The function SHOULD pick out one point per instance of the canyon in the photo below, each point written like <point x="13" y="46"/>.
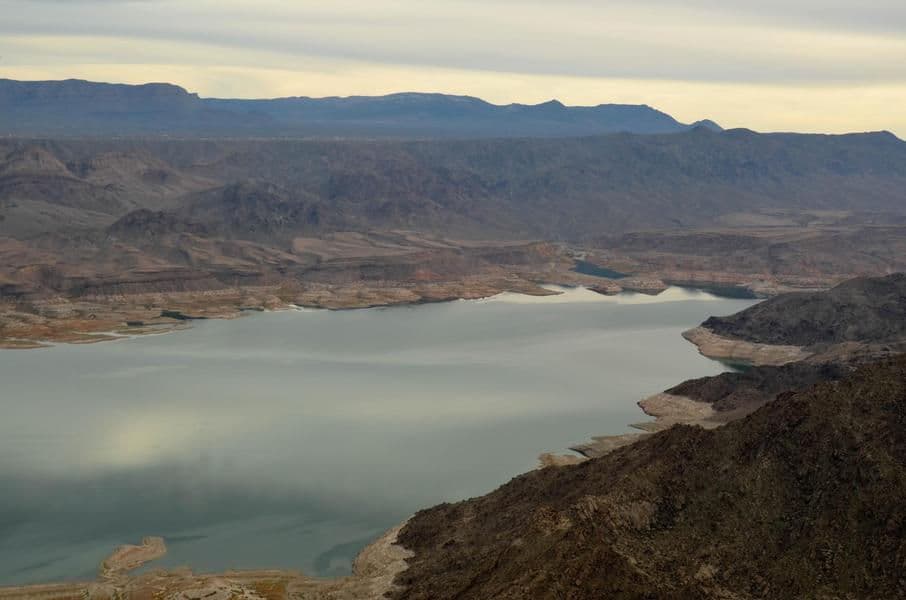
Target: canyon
<point x="133" y="211"/>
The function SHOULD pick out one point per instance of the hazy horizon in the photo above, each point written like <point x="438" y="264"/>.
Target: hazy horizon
<point x="810" y="66"/>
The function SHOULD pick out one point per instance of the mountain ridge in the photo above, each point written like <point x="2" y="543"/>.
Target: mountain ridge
<point x="74" y="107"/>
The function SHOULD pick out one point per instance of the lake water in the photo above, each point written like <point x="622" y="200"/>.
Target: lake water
<point x="292" y="439"/>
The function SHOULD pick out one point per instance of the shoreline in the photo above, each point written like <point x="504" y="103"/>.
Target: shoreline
<point x="94" y="319"/>
<point x="717" y="347"/>
<point x="373" y="572"/>
<point x="666" y="409"/>
<point x="91" y="321"/>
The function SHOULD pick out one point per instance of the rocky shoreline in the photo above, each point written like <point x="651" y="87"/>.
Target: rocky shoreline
<point x="98" y="318"/>
<point x="666" y="409"/>
<point x="68" y="302"/>
<point x="373" y="574"/>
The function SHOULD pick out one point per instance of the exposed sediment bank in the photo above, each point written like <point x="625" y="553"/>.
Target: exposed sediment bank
<point x="97" y="319"/>
<point x="128" y="557"/>
<point x="720" y="348"/>
<point x="93" y="319"/>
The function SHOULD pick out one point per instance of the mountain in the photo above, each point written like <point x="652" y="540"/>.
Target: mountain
<point x="558" y="189"/>
<point x="859" y="310"/>
<point x="109" y="217"/>
<point x="805" y="498"/>
<point x="82" y="108"/>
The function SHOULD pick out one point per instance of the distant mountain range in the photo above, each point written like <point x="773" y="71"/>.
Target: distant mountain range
<point x="81" y="108"/>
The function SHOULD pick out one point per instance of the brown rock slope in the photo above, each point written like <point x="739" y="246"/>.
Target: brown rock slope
<point x="858" y="319"/>
<point x="855" y="311"/>
<point x="736" y="394"/>
<point x="805" y="498"/>
<point x="558" y="189"/>
<point x="765" y="252"/>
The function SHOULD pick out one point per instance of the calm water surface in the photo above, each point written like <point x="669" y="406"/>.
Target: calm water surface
<point x="292" y="439"/>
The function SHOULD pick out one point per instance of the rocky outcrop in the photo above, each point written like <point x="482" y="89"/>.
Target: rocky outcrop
<point x="858" y="318"/>
<point x="858" y="310"/>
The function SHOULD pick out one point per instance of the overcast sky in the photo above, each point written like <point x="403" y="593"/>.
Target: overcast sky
<point x="803" y="65"/>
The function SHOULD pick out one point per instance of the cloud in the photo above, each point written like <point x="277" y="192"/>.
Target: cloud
<point x="660" y="40"/>
<point x="572" y="49"/>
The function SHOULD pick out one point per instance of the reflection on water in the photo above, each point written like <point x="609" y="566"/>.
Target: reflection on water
<point x="290" y="439"/>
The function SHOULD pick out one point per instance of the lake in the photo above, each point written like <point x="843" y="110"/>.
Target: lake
<point x="292" y="439"/>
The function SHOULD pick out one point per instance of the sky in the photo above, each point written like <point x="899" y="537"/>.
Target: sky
<point x="770" y="65"/>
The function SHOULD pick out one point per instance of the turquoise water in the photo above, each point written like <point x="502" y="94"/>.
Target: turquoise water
<point x="292" y="439"/>
<point x="586" y="268"/>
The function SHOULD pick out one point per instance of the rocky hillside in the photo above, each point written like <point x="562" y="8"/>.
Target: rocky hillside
<point x="734" y="394"/>
<point x="573" y="189"/>
<point x="805" y="498"/>
<point x="805" y="249"/>
<point x="860" y="310"/>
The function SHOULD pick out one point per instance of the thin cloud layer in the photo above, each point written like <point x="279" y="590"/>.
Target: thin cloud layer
<point x="667" y="53"/>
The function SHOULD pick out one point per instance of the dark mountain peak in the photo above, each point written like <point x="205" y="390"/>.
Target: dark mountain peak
<point x="553" y="104"/>
<point x="701" y="130"/>
<point x="739" y="132"/>
<point x="706" y="124"/>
